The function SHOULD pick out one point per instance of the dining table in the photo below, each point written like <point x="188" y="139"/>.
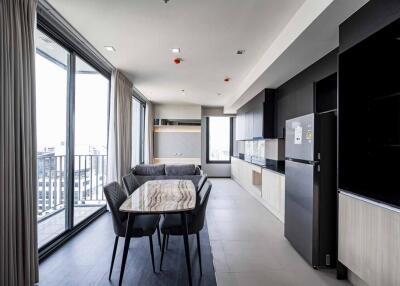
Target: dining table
<point x="160" y="197"/>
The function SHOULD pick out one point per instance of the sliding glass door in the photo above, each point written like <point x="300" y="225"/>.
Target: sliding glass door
<point x="51" y="114"/>
<point x="72" y="99"/>
<point x="91" y="117"/>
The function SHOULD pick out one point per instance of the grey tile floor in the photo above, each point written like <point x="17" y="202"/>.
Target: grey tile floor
<point x="248" y="244"/>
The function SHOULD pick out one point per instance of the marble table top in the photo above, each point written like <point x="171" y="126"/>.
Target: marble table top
<point x="161" y="196"/>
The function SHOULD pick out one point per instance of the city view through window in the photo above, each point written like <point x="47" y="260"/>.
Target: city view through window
<point x="90" y="110"/>
<point x="219" y="138"/>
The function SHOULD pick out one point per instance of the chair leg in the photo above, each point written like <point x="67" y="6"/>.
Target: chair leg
<point x="129" y="226"/>
<point x="152" y="252"/>
<point x="187" y="247"/>
<point x="159" y="236"/>
<point x="113" y="256"/>
<point x="199" y="252"/>
<point x="162" y="251"/>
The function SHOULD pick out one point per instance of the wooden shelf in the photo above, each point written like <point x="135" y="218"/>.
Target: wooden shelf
<point x="196" y="161"/>
<point x="177" y="129"/>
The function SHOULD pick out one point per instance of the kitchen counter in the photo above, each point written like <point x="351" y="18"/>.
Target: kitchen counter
<point x="264" y="182"/>
<point x="273" y="165"/>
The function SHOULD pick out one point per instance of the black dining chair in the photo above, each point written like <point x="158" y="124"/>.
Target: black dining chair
<point x="172" y="224"/>
<point x="144" y="225"/>
<point x="201" y="182"/>
<point x="130" y="183"/>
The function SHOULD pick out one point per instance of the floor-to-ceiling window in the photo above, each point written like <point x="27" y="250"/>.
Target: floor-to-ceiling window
<point x="138" y="113"/>
<point x="72" y="107"/>
<point x="219" y="139"/>
<point x="90" y="150"/>
<point x="51" y="113"/>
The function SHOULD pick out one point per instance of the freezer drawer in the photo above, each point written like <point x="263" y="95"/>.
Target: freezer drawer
<point x="299" y="198"/>
<point x="299" y="143"/>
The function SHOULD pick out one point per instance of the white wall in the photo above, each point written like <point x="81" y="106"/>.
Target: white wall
<point x="177" y="111"/>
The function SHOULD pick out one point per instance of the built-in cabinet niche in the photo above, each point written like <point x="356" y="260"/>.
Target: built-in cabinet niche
<point x="325" y="94"/>
<point x="369" y="116"/>
<point x="255" y="120"/>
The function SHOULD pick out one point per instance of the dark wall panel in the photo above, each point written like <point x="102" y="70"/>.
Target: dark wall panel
<point x="369" y="104"/>
<point x="296" y="96"/>
<point x="372" y="17"/>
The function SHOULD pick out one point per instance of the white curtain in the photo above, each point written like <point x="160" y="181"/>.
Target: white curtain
<point x="18" y="227"/>
<point x="148" y="136"/>
<point x="120" y="128"/>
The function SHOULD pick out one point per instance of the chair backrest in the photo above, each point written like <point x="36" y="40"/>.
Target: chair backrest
<point x="130" y="183"/>
<point x="201" y="182"/>
<point x="115" y="197"/>
<point x="199" y="213"/>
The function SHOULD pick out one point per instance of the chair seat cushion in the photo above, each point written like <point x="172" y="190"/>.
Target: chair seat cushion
<point x="172" y="224"/>
<point x="144" y="225"/>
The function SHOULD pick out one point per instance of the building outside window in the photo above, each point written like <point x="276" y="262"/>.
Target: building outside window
<point x="219" y="139"/>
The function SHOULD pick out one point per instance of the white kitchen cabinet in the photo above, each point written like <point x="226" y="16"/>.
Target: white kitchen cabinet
<point x="267" y="186"/>
<point x="249" y="176"/>
<point x="235" y="168"/>
<point x="273" y="192"/>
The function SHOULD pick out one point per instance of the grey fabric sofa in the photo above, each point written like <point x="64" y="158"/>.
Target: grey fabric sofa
<point x="144" y="173"/>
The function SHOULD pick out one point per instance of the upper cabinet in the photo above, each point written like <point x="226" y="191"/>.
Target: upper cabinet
<point x="255" y="120"/>
<point x="248" y="119"/>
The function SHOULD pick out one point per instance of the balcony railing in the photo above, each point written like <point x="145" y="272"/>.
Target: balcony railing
<point x="89" y="175"/>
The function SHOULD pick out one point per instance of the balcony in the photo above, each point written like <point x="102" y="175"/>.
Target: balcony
<point x="89" y="175"/>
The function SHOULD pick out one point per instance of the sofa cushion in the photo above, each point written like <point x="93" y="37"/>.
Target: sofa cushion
<point x="150" y="170"/>
<point x="180" y="170"/>
<point x="143" y="179"/>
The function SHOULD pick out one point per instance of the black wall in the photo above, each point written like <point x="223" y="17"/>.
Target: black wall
<point x="296" y="96"/>
<point x="372" y="17"/>
<point x="369" y="102"/>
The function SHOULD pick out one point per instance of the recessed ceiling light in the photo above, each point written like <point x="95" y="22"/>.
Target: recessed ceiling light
<point x="176" y="50"/>
<point x="240" y="52"/>
<point x="109" y="48"/>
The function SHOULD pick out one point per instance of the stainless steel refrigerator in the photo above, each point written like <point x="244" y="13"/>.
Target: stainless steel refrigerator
<point x="310" y="187"/>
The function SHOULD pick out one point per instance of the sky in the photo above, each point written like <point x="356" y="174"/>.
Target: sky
<point x="91" y="108"/>
<point x="219" y="141"/>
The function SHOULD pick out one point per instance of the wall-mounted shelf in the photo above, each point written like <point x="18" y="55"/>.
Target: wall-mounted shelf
<point x="177" y="128"/>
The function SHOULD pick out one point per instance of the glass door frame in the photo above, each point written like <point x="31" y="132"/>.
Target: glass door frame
<point x="142" y="127"/>
<point x="56" y="35"/>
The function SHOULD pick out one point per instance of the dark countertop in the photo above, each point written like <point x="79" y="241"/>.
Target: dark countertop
<point x="273" y="165"/>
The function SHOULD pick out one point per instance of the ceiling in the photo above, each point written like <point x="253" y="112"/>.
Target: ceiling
<point x="280" y="38"/>
<point x="312" y="33"/>
<point x="208" y="32"/>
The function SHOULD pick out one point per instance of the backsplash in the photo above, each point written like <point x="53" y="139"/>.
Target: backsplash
<point x="255" y="148"/>
<point x="273" y="149"/>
